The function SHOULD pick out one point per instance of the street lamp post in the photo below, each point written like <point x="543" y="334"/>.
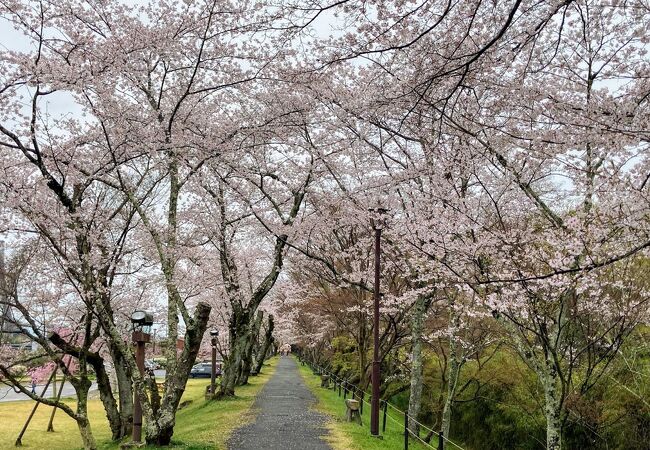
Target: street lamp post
<point x="378" y="222"/>
<point x="141" y="321"/>
<point x="215" y="334"/>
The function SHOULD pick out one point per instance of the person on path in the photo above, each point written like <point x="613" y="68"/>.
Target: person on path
<point x="33" y="386"/>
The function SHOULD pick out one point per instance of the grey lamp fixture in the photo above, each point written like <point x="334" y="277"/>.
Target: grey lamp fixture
<point x="142" y="321"/>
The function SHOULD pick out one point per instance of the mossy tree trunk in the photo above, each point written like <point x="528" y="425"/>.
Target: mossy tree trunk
<point x="87" y="438"/>
<point x="417" y="375"/>
<point x="268" y="339"/>
<point x="125" y="392"/>
<point x="247" y="360"/>
<point x="238" y="331"/>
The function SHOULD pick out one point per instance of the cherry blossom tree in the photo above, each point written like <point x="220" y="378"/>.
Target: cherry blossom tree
<point x="516" y="146"/>
<point x="257" y="195"/>
<point x="205" y="144"/>
<point x="39" y="312"/>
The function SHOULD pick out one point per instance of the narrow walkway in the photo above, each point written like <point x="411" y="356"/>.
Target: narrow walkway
<point x="285" y="420"/>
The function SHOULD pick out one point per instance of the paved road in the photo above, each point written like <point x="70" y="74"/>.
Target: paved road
<point x="7" y="394"/>
<point x="285" y="420"/>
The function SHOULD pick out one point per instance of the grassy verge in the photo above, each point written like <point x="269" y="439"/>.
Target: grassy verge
<point x="199" y="425"/>
<point x="350" y="436"/>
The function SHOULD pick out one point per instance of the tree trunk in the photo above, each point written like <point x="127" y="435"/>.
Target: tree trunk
<point x="268" y="339"/>
<point x="247" y="360"/>
<point x="163" y="435"/>
<point x="454" y="365"/>
<point x="257" y="345"/>
<point x="110" y="405"/>
<point x="549" y="372"/>
<point x="454" y="372"/>
<point x="165" y="418"/>
<point x="119" y="425"/>
<point x="159" y="432"/>
<point x="154" y="395"/>
<point x="545" y="367"/>
<point x="415" y="397"/>
<point x="122" y="425"/>
<point x="238" y="339"/>
<point x="125" y="393"/>
<point x="362" y="349"/>
<point x="86" y="434"/>
<point x="82" y="387"/>
<point x="552" y="408"/>
<point x="363" y="362"/>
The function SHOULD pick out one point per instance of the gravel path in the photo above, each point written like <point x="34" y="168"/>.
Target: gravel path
<point x="285" y="420"/>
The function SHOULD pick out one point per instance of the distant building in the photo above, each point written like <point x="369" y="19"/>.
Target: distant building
<point x="11" y="334"/>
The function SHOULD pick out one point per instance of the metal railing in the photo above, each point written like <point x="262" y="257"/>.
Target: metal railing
<point x="344" y="387"/>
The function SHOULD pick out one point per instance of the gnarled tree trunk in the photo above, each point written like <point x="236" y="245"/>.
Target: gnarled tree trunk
<point x="247" y="360"/>
<point x="160" y="424"/>
<point x="238" y="329"/>
<point x="106" y="396"/>
<point x="81" y="382"/>
<point x="82" y="386"/>
<point x="118" y="428"/>
<point x="125" y="392"/>
<point x="268" y="339"/>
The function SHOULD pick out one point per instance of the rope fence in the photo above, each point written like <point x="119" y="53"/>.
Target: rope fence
<point x="344" y="387"/>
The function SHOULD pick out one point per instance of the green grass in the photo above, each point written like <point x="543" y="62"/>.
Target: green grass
<point x="199" y="425"/>
<point x="345" y="435"/>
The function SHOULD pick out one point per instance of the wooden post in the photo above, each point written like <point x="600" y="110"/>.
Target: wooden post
<point x="19" y="441"/>
<point x="139" y="339"/>
<point x="213" y="367"/>
<point x="50" y="425"/>
<point x="406" y="429"/>
<point x="383" y="427"/>
<point x="376" y="365"/>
